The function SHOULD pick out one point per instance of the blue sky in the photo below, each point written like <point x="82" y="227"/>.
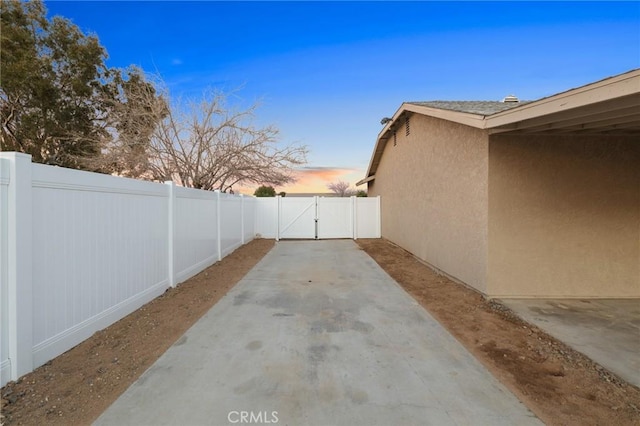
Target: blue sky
<point x="327" y="72"/>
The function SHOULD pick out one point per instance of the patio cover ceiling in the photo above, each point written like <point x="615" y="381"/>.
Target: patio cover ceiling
<point x="607" y="106"/>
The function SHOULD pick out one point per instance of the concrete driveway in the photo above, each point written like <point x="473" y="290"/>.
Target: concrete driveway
<point x="317" y="334"/>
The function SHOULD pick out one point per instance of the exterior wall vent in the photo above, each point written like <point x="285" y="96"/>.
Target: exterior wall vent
<point x="510" y="99"/>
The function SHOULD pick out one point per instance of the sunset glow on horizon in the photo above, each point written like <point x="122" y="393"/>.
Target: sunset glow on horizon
<point x="314" y="180"/>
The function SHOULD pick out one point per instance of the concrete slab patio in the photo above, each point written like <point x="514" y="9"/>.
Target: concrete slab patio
<point x="317" y="334"/>
<point x="605" y="330"/>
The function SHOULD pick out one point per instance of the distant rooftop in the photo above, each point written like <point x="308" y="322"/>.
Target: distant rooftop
<point x="473" y="107"/>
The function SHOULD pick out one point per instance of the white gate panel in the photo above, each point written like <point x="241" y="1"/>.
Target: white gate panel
<point x="367" y="217"/>
<point x="335" y="218"/>
<point x="266" y="221"/>
<point x="297" y="217"/>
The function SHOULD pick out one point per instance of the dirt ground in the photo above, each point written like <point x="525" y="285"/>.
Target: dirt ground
<point x="559" y="385"/>
<point x="76" y="387"/>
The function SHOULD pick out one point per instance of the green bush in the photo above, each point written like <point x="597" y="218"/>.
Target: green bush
<point x="265" y="191"/>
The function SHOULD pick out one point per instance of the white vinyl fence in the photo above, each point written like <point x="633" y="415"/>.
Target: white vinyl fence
<point x="81" y="250"/>
<point x="318" y="217"/>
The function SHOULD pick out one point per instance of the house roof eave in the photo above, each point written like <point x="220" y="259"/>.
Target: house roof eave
<point x="599" y="101"/>
<point x="469" y="119"/>
<point x="365" y="180"/>
<point x="605" y="106"/>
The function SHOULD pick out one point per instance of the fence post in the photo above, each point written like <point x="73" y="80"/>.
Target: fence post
<point x="242" y="219"/>
<point x="379" y="221"/>
<point x="219" y="221"/>
<point x="19" y="268"/>
<point x="171" y="231"/>
<point x="315" y="215"/>
<point x="354" y="217"/>
<point x="278" y="207"/>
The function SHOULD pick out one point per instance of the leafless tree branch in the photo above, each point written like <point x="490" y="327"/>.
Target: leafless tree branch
<point x="341" y="189"/>
<point x="209" y="145"/>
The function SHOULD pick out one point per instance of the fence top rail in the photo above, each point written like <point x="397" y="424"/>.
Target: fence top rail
<point x="194" y="194"/>
<point x="238" y="196"/>
<point x="45" y="176"/>
<point x="184" y="192"/>
<point x="4" y="171"/>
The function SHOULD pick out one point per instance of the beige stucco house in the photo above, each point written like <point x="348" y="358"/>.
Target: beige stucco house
<point x="515" y="199"/>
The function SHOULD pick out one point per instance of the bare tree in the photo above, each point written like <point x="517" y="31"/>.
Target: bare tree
<point x="136" y="108"/>
<point x="341" y="189"/>
<point x="209" y="145"/>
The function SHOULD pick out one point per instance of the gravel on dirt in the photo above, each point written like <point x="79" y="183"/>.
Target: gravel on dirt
<point x="560" y="385"/>
<point x="77" y="386"/>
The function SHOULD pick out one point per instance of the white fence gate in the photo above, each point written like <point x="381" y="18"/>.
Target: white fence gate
<point x="318" y="217"/>
<point x="335" y="217"/>
<point x="297" y="217"/>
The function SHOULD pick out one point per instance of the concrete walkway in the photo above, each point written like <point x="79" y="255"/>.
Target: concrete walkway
<point x="605" y="330"/>
<point x="317" y="334"/>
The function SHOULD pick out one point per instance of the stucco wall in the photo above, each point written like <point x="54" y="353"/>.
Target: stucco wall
<point x="433" y="187"/>
<point x="564" y="216"/>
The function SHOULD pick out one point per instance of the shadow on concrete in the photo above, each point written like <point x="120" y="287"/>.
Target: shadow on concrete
<point x="605" y="330"/>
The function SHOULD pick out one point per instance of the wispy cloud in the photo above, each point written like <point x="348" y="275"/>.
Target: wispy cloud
<point x="316" y="179"/>
<point x="176" y="61"/>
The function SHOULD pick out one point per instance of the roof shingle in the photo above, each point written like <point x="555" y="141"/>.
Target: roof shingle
<point x="473" y="107"/>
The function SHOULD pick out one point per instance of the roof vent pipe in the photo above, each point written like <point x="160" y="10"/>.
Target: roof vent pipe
<point x="510" y="99"/>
